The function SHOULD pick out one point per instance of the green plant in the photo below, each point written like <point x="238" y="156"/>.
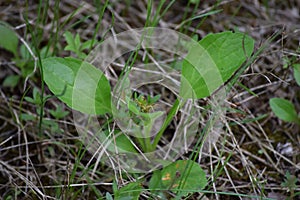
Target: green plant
<point x="59" y="112"/>
<point x="36" y="100"/>
<point x="130" y="191"/>
<point x="91" y="94"/>
<point x="145" y="104"/>
<point x="23" y="56"/>
<point x="225" y="51"/>
<point x="282" y="108"/>
<point x="290" y="183"/>
<point x="75" y="45"/>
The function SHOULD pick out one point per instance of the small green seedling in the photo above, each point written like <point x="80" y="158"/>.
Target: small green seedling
<point x="283" y="108"/>
<point x="144" y="104"/>
<point x="35" y="99"/>
<point x="46" y="123"/>
<point x="75" y="45"/>
<point x="290" y="183"/>
<point x="59" y="112"/>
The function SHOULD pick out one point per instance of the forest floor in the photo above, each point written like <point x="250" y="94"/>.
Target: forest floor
<point x="256" y="155"/>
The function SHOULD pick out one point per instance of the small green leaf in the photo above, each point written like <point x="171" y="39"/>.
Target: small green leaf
<point x="9" y="39"/>
<point x="27" y="117"/>
<point x="36" y="97"/>
<point x="52" y="125"/>
<point x="290" y="181"/>
<point x="183" y="175"/>
<point x="212" y="61"/>
<point x="133" y="107"/>
<point x="77" y="42"/>
<point x="124" y="145"/>
<point x="78" y="84"/>
<point x="86" y="44"/>
<point x="25" y="62"/>
<point x="11" y="81"/>
<point x="81" y="55"/>
<point x="155" y="181"/>
<point x="297" y="73"/>
<point x="286" y="62"/>
<point x="29" y="99"/>
<point x="130" y="191"/>
<point x="194" y="1"/>
<point x="45" y="52"/>
<point x="71" y="45"/>
<point x="154" y="99"/>
<point x="59" y="113"/>
<point x="284" y="109"/>
<point x="108" y="196"/>
<point x="24" y="52"/>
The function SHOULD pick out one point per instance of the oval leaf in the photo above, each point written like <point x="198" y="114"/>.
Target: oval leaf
<point x="182" y="175"/>
<point x="297" y="73"/>
<point x="9" y="39"/>
<point x="212" y="61"/>
<point x="284" y="109"/>
<point x="78" y="84"/>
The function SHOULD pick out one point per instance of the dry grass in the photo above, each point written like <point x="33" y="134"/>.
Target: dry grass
<point x="54" y="164"/>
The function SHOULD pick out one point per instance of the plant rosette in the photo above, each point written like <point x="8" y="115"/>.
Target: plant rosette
<point x="132" y="142"/>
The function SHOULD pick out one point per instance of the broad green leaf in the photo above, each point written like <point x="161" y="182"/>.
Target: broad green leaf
<point x="284" y="110"/>
<point x="297" y="73"/>
<point x="123" y="143"/>
<point x="183" y="175"/>
<point x="9" y="39"/>
<point x="155" y="181"/>
<point x="78" y="84"/>
<point x="212" y="61"/>
<point x="155" y="184"/>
